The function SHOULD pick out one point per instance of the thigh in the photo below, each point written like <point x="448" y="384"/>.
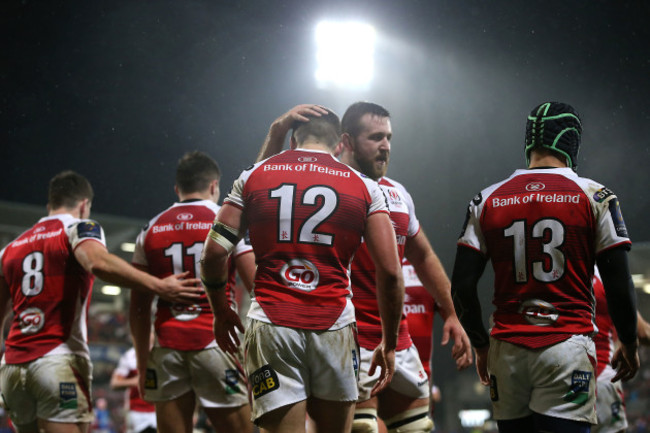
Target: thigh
<point x="62" y="387"/>
<point x="510" y="387"/>
<point x="230" y="419"/>
<point x="331" y="416"/>
<point x="18" y="401"/>
<point x="168" y="375"/>
<point x="564" y="383"/>
<point x="333" y="360"/>
<point x="275" y="365"/>
<point x="218" y="378"/>
<point x="176" y="415"/>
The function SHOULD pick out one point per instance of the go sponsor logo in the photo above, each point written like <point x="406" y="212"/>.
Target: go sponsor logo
<point x="185" y="313"/>
<point x="31" y="320"/>
<point x="300" y="274"/>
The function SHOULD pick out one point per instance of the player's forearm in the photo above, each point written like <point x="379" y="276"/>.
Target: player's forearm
<point x="619" y="290"/>
<point x="274" y="141"/>
<point x="643" y="330"/>
<point x="431" y="273"/>
<point x="115" y="270"/>
<point x="120" y="382"/>
<point x="390" y="300"/>
<point x="140" y="325"/>
<point x="437" y="284"/>
<point x="468" y="268"/>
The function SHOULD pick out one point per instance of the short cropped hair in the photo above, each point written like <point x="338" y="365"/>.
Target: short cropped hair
<point x="195" y="171"/>
<point x="67" y="189"/>
<point x="326" y="128"/>
<point x="351" y="122"/>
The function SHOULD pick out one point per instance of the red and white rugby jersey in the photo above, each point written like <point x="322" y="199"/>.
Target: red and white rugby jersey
<point x="306" y="213"/>
<point x="604" y="340"/>
<point x="419" y="309"/>
<point x="127" y="367"/>
<point x="406" y="225"/>
<point x="542" y="230"/>
<point x="172" y="243"/>
<point x="50" y="290"/>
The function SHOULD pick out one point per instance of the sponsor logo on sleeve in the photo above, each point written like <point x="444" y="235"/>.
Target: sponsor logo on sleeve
<point x="89" y="229"/>
<point x="579" y="390"/>
<point x="602" y="194"/>
<point x="617" y="218"/>
<point x="67" y="395"/>
<point x="263" y="381"/>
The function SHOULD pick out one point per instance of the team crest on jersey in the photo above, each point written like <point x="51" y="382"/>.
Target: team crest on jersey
<point x="89" y="229"/>
<point x="307" y="159"/>
<point x="185" y="216"/>
<point x="39" y="229"/>
<point x="263" y="381"/>
<point x="31" y="320"/>
<point x="535" y="186"/>
<point x="300" y="274"/>
<point x="67" y="395"/>
<point x="579" y="390"/>
<point x="184" y="312"/>
<point x="394" y="196"/>
<point x="538" y="312"/>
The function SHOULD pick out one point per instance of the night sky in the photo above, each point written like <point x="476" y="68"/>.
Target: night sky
<point x="119" y="90"/>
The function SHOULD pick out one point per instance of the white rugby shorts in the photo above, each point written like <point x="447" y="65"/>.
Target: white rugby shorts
<point x="54" y="388"/>
<point x="137" y="421"/>
<point x="287" y="365"/>
<point x="609" y="404"/>
<point x="409" y="379"/>
<point x="217" y="378"/>
<point x="557" y="381"/>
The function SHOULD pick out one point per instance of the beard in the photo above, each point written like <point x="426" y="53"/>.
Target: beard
<point x="372" y="167"/>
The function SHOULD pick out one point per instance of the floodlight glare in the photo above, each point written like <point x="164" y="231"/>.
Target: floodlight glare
<point x="473" y="417"/>
<point x="128" y="247"/>
<point x="111" y="290"/>
<point x="345" y="54"/>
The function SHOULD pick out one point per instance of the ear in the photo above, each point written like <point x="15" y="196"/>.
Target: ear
<point x="176" y="190"/>
<point x="346" y="144"/>
<point x="215" y="192"/>
<point x="84" y="208"/>
<point x="214" y="186"/>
